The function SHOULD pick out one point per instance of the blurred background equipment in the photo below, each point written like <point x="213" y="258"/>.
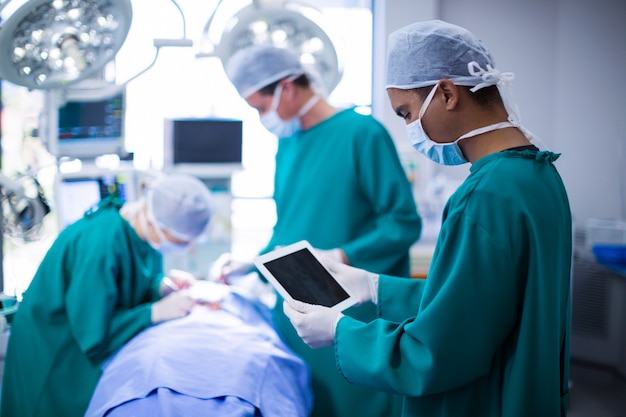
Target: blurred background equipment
<point x="285" y="24"/>
<point x="23" y="207"/>
<point x="50" y="43"/>
<point x="77" y="192"/>
<point x="203" y="146"/>
<point x="84" y="124"/>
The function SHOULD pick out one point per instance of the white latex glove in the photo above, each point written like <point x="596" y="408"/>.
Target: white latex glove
<point x="226" y="269"/>
<point x="361" y="283"/>
<point x="176" y="280"/>
<point x="334" y="254"/>
<point x="315" y="324"/>
<point x="173" y="306"/>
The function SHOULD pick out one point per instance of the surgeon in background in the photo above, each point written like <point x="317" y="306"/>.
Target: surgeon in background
<point x="487" y="333"/>
<point x="100" y="284"/>
<point x="340" y="185"/>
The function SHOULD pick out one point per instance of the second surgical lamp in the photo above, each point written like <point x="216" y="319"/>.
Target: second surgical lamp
<point x="282" y="23"/>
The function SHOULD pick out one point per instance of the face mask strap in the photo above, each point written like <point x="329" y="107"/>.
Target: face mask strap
<point x="309" y="105"/>
<point x="504" y="82"/>
<point x="157" y="230"/>
<point x="279" y="89"/>
<point x="426" y="103"/>
<point x="276" y="98"/>
<point x="143" y="223"/>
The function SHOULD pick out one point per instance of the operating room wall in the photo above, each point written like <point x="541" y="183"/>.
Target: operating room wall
<point x="568" y="58"/>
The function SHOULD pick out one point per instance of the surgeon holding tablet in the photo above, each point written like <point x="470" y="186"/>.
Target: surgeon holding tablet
<point x="487" y="333"/>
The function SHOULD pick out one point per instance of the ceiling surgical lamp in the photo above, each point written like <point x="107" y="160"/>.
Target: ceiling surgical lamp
<point x="47" y="44"/>
<point x="285" y="24"/>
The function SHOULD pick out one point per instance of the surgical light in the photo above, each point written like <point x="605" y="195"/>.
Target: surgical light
<point x="47" y="44"/>
<point x="284" y="24"/>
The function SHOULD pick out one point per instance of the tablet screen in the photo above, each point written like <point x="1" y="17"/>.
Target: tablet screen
<point x="305" y="279"/>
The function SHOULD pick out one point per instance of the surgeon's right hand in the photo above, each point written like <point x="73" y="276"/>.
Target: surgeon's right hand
<point x="173" y="306"/>
<point x="361" y="283"/>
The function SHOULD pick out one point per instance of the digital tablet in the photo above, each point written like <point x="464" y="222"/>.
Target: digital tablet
<point x="297" y="274"/>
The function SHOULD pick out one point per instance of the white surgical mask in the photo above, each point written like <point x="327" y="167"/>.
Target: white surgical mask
<point x="285" y="128"/>
<point x="165" y="246"/>
<point x="443" y="153"/>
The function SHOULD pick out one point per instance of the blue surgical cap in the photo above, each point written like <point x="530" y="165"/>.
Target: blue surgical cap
<point x="423" y="53"/>
<point x="252" y="68"/>
<point x="181" y="204"/>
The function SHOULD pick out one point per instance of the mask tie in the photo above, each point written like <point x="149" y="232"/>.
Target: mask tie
<point x="504" y="82"/>
<point x="309" y="105"/>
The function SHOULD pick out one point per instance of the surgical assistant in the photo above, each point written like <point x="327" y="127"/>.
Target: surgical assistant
<point x="487" y="332"/>
<point x="356" y="194"/>
<point x="97" y="287"/>
<point x="338" y="184"/>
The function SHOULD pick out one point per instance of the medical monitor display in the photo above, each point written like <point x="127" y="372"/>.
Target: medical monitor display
<point x="76" y="195"/>
<point x="88" y="127"/>
<point x="203" y="141"/>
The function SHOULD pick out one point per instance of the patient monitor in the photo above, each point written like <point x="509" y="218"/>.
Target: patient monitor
<point x="84" y="124"/>
<point x="77" y="192"/>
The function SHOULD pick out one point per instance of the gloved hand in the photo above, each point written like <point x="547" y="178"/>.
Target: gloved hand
<point x="334" y="254"/>
<point x="173" y="306"/>
<point x="315" y="324"/>
<point x="176" y="280"/>
<point x="361" y="283"/>
<point x="226" y="269"/>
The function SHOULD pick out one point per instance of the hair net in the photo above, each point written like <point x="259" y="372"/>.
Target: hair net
<point x="181" y="204"/>
<point x="422" y="53"/>
<point x="252" y="68"/>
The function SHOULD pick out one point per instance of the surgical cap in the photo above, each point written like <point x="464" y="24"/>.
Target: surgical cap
<point x="252" y="68"/>
<point x="181" y="204"/>
<point x="423" y="53"/>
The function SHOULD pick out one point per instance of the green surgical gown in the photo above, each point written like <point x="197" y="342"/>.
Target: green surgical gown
<point x="340" y="184"/>
<point x="487" y="333"/>
<point x="91" y="294"/>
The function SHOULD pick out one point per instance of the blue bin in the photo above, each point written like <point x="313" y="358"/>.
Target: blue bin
<point x="611" y="256"/>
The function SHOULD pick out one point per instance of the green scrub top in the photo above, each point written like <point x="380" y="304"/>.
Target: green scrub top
<point x="487" y="333"/>
<point x="340" y="184"/>
<point x="91" y="294"/>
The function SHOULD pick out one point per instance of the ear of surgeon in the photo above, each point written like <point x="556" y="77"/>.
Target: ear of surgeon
<point x="278" y="111"/>
<point x="281" y="100"/>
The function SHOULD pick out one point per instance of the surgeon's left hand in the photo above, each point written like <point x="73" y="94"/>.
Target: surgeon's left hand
<point x="315" y="324"/>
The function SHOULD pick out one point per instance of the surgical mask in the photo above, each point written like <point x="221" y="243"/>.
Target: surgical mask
<point x="164" y="246"/>
<point x="285" y="128"/>
<point x="443" y="153"/>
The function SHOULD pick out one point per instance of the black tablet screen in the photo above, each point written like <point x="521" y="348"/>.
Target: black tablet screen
<point x="302" y="276"/>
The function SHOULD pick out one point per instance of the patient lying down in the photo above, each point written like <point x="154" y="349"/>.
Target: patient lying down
<point x="225" y="358"/>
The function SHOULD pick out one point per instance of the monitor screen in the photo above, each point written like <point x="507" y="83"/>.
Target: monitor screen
<point x="75" y="195"/>
<point x="203" y="141"/>
<point x="87" y="127"/>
